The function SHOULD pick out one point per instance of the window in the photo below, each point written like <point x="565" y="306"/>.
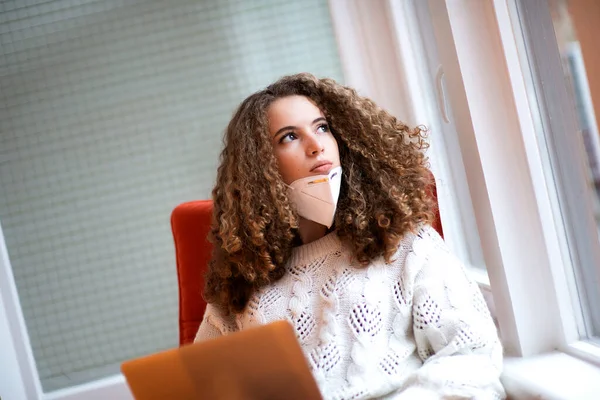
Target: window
<point x="447" y="158"/>
<point x="408" y="81"/>
<point x="556" y="66"/>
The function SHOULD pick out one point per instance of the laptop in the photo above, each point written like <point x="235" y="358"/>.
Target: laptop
<point x="258" y="363"/>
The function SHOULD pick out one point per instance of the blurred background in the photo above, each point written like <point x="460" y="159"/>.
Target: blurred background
<point x="111" y="114"/>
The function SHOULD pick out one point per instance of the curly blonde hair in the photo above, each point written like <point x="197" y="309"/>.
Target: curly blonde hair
<point x="383" y="192"/>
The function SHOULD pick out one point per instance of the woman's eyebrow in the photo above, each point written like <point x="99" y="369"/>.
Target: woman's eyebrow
<point x="285" y="128"/>
<point x="291" y="128"/>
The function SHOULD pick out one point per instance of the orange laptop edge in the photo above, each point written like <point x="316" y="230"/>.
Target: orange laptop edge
<point x="265" y="362"/>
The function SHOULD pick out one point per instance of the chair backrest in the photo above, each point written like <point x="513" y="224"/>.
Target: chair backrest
<point x="191" y="223"/>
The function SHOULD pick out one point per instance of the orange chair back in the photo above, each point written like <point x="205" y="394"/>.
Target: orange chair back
<point x="191" y="223"/>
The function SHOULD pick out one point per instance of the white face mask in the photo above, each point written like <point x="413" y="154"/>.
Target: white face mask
<point x="316" y="197"/>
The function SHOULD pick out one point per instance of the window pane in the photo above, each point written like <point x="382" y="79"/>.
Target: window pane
<point x="111" y="114"/>
<point x="560" y="65"/>
<point x="460" y="227"/>
<point x="575" y="73"/>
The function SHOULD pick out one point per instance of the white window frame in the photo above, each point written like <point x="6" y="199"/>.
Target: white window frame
<point x="375" y="40"/>
<point x="19" y="378"/>
<point x="496" y="135"/>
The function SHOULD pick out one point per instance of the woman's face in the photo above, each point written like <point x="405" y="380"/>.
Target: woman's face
<point x="302" y="141"/>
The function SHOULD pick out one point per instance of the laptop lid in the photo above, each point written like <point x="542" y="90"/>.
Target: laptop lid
<point x="259" y="363"/>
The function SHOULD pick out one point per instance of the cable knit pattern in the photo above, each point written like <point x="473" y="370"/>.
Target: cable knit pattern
<point x="416" y="328"/>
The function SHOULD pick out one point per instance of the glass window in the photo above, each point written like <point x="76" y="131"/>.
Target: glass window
<point x="566" y="103"/>
<point x="460" y="227"/>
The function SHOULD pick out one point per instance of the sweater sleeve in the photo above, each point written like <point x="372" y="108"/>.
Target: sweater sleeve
<point x="455" y="335"/>
<point x="214" y="324"/>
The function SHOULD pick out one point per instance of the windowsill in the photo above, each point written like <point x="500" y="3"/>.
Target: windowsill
<point x="551" y="376"/>
<point x="480" y="276"/>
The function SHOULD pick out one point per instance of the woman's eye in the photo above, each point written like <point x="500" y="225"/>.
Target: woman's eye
<point x="288" y="137"/>
<point x="323" y="128"/>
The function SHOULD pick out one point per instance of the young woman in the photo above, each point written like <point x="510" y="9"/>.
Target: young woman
<point x="321" y="217"/>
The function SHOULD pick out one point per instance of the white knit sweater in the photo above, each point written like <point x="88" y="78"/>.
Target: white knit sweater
<point x="416" y="328"/>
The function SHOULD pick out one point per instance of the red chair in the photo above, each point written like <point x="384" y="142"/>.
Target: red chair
<point x="190" y="223"/>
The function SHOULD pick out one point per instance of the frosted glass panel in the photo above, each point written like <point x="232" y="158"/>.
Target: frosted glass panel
<point x="111" y="114"/>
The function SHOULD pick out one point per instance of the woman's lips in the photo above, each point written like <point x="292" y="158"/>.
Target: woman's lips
<point x="322" y="168"/>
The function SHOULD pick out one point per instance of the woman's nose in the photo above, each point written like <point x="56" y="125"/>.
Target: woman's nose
<point x="315" y="146"/>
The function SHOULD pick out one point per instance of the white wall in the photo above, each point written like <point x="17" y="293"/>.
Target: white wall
<point x="111" y="114"/>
